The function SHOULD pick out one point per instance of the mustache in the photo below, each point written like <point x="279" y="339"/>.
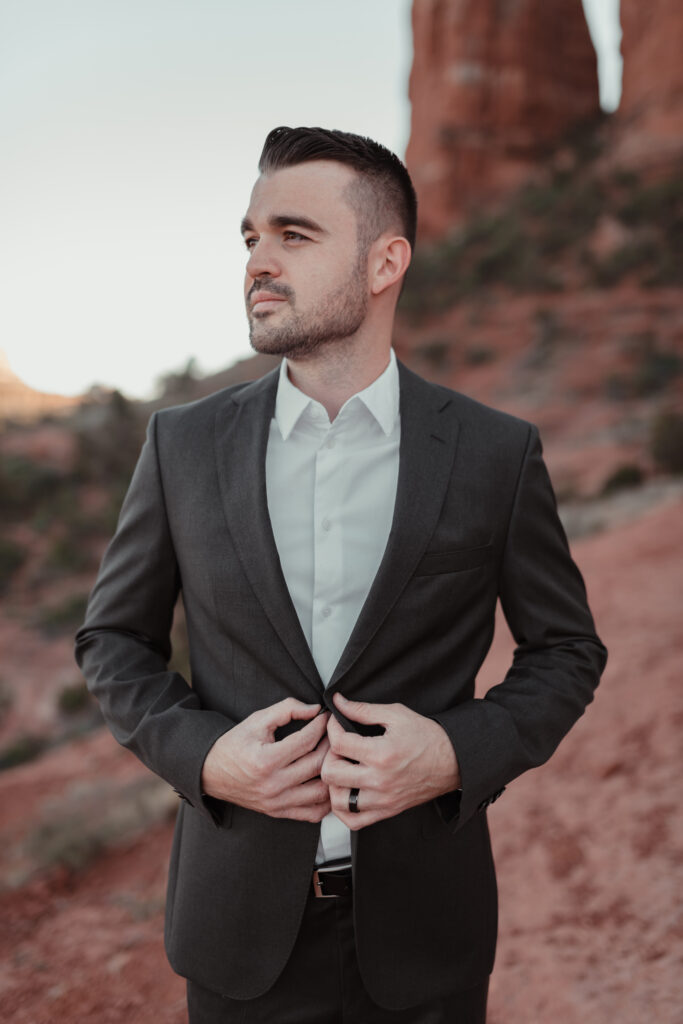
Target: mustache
<point x="272" y="287"/>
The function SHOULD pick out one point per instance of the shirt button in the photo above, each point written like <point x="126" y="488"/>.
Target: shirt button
<point x="326" y="612"/>
<point x="330" y="444"/>
<point x="326" y="524"/>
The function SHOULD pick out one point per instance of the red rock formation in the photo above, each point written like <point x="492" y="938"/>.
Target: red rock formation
<point x="493" y="84"/>
<point x="651" y="110"/>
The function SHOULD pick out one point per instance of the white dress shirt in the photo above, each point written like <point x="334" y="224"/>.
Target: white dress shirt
<point x="331" y="492"/>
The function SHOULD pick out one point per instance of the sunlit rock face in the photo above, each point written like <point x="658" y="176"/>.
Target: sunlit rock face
<point x="651" y="109"/>
<point x="494" y="84"/>
<point x="20" y="402"/>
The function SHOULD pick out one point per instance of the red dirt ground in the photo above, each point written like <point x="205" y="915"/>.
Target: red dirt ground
<point x="587" y="847"/>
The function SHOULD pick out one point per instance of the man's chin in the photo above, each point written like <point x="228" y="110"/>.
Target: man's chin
<point x="267" y="345"/>
<point x="285" y="351"/>
<point x="277" y="343"/>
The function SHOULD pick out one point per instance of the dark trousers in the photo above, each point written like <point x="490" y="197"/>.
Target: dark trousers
<point x="321" y="984"/>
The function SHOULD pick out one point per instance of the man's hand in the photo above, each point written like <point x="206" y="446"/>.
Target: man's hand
<point x="411" y="763"/>
<point x="247" y="766"/>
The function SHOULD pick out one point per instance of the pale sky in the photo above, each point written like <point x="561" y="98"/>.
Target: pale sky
<point x="129" y="136"/>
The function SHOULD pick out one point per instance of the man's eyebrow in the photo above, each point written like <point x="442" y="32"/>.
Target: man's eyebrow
<point x="284" y="220"/>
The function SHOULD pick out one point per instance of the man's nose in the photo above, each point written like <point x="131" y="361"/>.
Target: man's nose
<point x="262" y="260"/>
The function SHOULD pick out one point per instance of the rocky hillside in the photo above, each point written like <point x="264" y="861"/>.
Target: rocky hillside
<point x="562" y="304"/>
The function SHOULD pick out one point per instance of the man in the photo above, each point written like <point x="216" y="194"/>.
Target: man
<point x="341" y="531"/>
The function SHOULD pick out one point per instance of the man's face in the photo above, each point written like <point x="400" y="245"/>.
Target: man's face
<point x="306" y="281"/>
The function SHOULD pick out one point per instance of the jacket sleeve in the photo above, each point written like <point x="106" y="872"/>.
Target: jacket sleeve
<point x="124" y="646"/>
<point x="557" y="662"/>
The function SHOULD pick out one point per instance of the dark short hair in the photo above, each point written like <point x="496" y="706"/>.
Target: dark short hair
<point x="386" y="195"/>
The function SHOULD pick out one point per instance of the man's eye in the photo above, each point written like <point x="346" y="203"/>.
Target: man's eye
<point x="294" y="236"/>
<point x="250" y="242"/>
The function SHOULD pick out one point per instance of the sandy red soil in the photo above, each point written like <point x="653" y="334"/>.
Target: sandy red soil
<point x="587" y="847"/>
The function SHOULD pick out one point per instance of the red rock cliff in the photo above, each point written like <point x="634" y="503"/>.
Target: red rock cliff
<point x="651" y="112"/>
<point x="493" y="83"/>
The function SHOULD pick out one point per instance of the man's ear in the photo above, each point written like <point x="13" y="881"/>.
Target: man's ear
<point x="389" y="260"/>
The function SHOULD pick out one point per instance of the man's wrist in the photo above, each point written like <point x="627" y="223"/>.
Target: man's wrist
<point x="213" y="775"/>
<point x="447" y="768"/>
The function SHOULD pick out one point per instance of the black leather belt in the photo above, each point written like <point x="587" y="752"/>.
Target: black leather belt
<point x="332" y="879"/>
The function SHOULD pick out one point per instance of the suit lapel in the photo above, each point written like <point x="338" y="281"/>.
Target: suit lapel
<point x="429" y="433"/>
<point x="241" y="439"/>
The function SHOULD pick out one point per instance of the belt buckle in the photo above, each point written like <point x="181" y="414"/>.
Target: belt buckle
<point x="319" y="880"/>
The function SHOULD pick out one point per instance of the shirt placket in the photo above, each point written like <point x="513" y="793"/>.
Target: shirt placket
<point x="327" y="556"/>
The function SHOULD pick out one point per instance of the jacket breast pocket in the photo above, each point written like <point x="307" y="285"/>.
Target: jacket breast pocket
<point x="437" y="562"/>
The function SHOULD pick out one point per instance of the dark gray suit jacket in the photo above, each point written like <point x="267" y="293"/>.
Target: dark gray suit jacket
<point x="475" y="520"/>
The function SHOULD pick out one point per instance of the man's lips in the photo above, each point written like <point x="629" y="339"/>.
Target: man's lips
<point x="265" y="299"/>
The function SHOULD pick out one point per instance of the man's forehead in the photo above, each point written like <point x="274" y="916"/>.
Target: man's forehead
<point x="316" y="184"/>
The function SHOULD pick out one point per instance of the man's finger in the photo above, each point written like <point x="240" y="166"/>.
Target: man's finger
<point x="354" y="820"/>
<point x="283" y="752"/>
<point x="349" y="744"/>
<point x="307" y="767"/>
<point x="312" y="792"/>
<point x="338" y="771"/>
<point x="311" y="812"/>
<point x="282" y="713"/>
<point x="312" y="795"/>
<point x="362" y="711"/>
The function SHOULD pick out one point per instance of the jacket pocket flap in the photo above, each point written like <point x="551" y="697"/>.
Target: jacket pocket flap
<point x="435" y="562"/>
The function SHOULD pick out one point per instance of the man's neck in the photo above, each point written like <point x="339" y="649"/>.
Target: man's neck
<point x="333" y="375"/>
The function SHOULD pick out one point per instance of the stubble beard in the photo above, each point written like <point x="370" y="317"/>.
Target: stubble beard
<point x="339" y="316"/>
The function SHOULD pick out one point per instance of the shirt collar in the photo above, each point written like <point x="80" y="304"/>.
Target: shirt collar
<point x="381" y="399"/>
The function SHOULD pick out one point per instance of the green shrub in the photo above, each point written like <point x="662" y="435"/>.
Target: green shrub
<point x="624" y="178"/>
<point x="24" y="485"/>
<point x="107" y="452"/>
<point x="659" y="207"/>
<point x="71" y="845"/>
<point x="636" y="255"/>
<point x="12" y="557"/>
<point x="660" y="203"/>
<point x="666" y="441"/>
<point x="541" y="200"/>
<point x="655" y="369"/>
<point x="73" y="698"/>
<point x="26" y="747"/>
<point x="479" y="355"/>
<point x="576" y="213"/>
<point x="63" y="617"/>
<point x="67" y="555"/>
<point x="435" y="353"/>
<point x="6" y="698"/>
<point x="624" y="477"/>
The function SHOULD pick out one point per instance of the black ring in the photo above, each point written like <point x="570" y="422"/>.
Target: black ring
<point x="353" y="801"/>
